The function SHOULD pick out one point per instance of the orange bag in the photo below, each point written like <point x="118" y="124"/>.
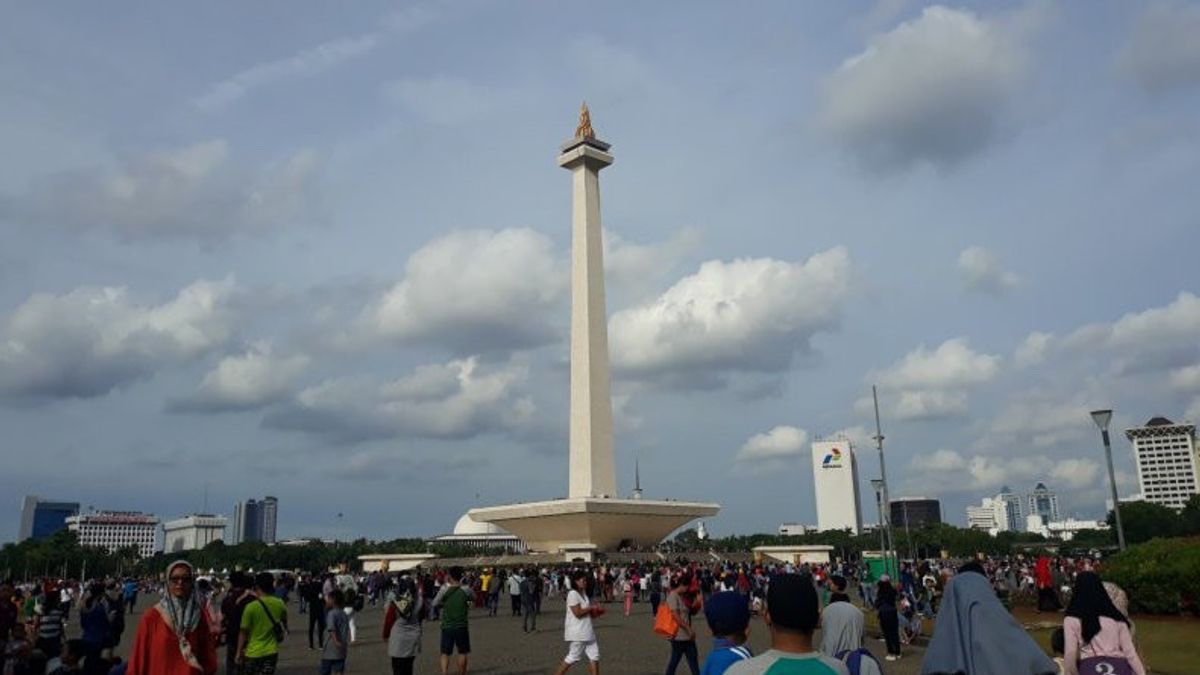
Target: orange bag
<point x="665" y="623"/>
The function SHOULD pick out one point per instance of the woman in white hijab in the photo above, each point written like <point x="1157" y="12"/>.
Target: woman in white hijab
<point x="174" y="636"/>
<point x="842" y="629"/>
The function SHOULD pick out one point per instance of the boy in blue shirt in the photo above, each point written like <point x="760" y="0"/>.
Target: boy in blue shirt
<point x="728" y="617"/>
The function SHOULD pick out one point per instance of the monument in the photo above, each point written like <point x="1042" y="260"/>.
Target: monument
<point x="593" y="517"/>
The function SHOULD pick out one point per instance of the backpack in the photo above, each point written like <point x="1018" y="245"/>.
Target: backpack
<point x="854" y="658"/>
<point x="404" y="603"/>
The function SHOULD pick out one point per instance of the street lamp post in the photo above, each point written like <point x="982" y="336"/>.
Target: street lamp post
<point x="1102" y="418"/>
<point x="877" y="484"/>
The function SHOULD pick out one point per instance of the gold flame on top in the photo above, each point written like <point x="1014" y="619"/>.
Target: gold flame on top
<point x="585" y="130"/>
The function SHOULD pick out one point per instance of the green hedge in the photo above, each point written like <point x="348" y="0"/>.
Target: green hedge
<point x="1161" y="576"/>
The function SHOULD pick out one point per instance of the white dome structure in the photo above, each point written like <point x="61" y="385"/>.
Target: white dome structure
<point x="473" y="528"/>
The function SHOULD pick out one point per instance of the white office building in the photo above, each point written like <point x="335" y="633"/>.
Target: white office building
<point x="114" y="530"/>
<point x="835" y="482"/>
<point x="192" y="532"/>
<point x="982" y="517"/>
<point x="1165" y="455"/>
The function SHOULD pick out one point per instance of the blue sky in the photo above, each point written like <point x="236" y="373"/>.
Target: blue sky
<point x="320" y="251"/>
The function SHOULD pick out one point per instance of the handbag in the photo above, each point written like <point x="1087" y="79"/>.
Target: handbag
<point x="665" y="623"/>
<point x="1104" y="665"/>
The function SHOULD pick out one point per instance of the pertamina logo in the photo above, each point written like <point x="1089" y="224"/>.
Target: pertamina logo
<point x="833" y="460"/>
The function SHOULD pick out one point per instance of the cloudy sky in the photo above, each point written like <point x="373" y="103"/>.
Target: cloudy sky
<point x="320" y="251"/>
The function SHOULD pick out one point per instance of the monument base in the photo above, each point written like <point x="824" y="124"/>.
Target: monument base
<point x="592" y="523"/>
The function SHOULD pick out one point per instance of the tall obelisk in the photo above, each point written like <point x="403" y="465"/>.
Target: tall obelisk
<point x="592" y="473"/>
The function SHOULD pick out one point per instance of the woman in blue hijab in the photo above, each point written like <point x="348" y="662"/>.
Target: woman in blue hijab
<point x="975" y="635"/>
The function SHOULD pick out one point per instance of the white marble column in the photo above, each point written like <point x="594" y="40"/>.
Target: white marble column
<point x="592" y="473"/>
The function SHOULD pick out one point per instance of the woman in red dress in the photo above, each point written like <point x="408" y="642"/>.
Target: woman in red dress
<point x="174" y="637"/>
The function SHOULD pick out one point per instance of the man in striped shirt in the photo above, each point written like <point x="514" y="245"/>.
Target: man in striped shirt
<point x="728" y="615"/>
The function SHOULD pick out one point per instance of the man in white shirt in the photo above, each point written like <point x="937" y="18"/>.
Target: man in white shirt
<point x="577" y="627"/>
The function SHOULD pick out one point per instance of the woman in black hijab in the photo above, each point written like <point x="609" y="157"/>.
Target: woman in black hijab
<point x="889" y="619"/>
<point x="1096" y="633"/>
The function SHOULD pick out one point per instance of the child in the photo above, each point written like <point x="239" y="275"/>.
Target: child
<point x="728" y="617"/>
<point x="337" y="628"/>
<point x="1058" y="645"/>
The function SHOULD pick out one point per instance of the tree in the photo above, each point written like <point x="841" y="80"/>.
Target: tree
<point x="1144" y="521"/>
<point x="1189" y="518"/>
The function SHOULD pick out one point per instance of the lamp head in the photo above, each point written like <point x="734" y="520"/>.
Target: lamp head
<point x="1102" y="418"/>
<point x="877" y="484"/>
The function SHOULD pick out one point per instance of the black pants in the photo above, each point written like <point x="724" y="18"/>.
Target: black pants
<point x="316" y="618"/>
<point x="1048" y="600"/>
<point x="655" y="600"/>
<point x="516" y="605"/>
<point x="681" y="649"/>
<point x="131" y="603"/>
<point x="889" y="623"/>
<point x="529" y="622"/>
<point x="403" y="666"/>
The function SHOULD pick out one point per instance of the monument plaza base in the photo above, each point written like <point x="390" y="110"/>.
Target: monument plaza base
<point x="589" y="524"/>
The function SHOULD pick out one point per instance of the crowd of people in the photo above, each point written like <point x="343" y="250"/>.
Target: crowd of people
<point x="195" y="617"/>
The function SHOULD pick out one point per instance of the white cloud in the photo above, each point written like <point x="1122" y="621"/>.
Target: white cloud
<point x="1193" y="411"/>
<point x="638" y="268"/>
<point x="1041" y="421"/>
<point x="952" y="364"/>
<point x="192" y="191"/>
<point x="305" y="63"/>
<point x="1187" y="378"/>
<point x="252" y="379"/>
<point x="782" y="441"/>
<point x="1033" y="350"/>
<point x="981" y="272"/>
<point x="1162" y="53"/>
<point x="858" y="436"/>
<point x="476" y="290"/>
<point x="1156" y="338"/>
<point x="746" y="315"/>
<point x="927" y="385"/>
<point x="935" y="89"/>
<point x="94" y="339"/>
<point x="454" y="400"/>
<point x="957" y="473"/>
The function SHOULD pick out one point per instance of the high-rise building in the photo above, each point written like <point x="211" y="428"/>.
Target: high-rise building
<point x="1042" y="502"/>
<point x="41" y="518"/>
<point x="835" y="482"/>
<point x="192" y="532"/>
<point x="915" y="512"/>
<point x="1165" y="454"/>
<point x="255" y="520"/>
<point x="982" y="517"/>
<point x="114" y="530"/>
<point x="268" y="515"/>
<point x="1009" y="515"/>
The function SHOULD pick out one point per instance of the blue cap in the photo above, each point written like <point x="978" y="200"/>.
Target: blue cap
<point x="728" y="613"/>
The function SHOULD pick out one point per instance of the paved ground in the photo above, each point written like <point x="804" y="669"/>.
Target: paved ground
<point x="627" y="645"/>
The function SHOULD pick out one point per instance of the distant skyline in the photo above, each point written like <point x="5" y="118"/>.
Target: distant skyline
<point x="321" y="251"/>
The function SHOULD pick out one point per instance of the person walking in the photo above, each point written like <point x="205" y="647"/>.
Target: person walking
<point x="402" y="626"/>
<point x="577" y="627"/>
<point x="514" y="592"/>
<point x="337" y="639"/>
<point x="627" y="591"/>
<point x="1047" y="595"/>
<point x="842" y="629"/>
<point x="174" y="637"/>
<point x="1096" y="634"/>
<point x="455" y="602"/>
<point x="683" y="643"/>
<point x="314" y="599"/>
<point x="889" y="617"/>
<point x="232" y="605"/>
<point x="974" y="633"/>
<point x="263" y="625"/>
<point x="529" y="584"/>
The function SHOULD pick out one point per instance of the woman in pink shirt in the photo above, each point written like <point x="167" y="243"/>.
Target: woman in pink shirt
<point x="1097" y="636"/>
